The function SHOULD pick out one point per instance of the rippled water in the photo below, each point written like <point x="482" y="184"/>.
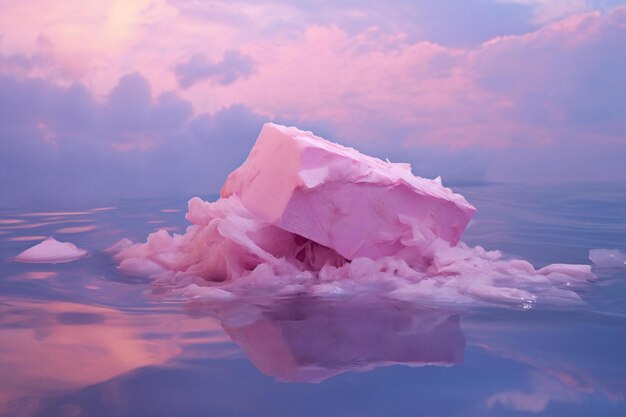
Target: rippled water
<point x="81" y="339"/>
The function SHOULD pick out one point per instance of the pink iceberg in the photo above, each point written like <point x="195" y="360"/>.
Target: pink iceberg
<point x="339" y="198"/>
<point x="303" y="215"/>
<point x="51" y="251"/>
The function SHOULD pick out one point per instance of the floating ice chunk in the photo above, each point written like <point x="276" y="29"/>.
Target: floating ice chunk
<point x="357" y="205"/>
<point x="305" y="216"/>
<point x="51" y="251"/>
<point x="119" y="245"/>
<point x="608" y="257"/>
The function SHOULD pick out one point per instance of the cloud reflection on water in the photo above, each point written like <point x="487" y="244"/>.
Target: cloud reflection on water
<point x="51" y="347"/>
<point x="64" y="354"/>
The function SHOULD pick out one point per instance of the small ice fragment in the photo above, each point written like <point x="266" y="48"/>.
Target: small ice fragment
<point x="51" y="251"/>
<point x="119" y="245"/>
<point x="609" y="258"/>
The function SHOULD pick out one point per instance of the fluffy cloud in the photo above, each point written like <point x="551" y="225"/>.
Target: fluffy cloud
<point x="450" y="22"/>
<point x="59" y="143"/>
<point x="504" y="97"/>
<point x="508" y="90"/>
<point x="555" y="95"/>
<point x="233" y="66"/>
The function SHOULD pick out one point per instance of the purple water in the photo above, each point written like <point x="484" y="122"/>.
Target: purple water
<point x="81" y="339"/>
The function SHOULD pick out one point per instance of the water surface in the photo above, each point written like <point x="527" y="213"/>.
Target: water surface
<point x="81" y="339"/>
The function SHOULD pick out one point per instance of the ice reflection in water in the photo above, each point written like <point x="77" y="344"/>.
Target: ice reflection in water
<point x="310" y="340"/>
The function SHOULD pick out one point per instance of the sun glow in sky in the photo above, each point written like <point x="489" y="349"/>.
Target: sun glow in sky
<point x="162" y="97"/>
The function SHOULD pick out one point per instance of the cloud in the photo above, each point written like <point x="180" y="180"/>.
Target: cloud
<point x="551" y="10"/>
<point x="565" y="77"/>
<point x="233" y="66"/>
<point x="61" y="144"/>
<point x="14" y="62"/>
<point x="508" y="89"/>
<point x="530" y="103"/>
<point x="459" y="23"/>
<point x="450" y="22"/>
<point x="557" y="90"/>
<point x="545" y="389"/>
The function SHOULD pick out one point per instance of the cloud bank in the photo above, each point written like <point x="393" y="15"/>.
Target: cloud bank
<point x="60" y="143"/>
<point x="233" y="66"/>
<point x="169" y="96"/>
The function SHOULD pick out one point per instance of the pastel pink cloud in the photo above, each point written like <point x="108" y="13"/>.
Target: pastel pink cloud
<point x="547" y="102"/>
<point x="509" y="91"/>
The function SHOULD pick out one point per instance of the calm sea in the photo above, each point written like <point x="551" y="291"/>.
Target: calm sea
<point x="81" y="339"/>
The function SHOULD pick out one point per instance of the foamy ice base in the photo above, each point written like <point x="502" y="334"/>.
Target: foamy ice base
<point x="304" y="215"/>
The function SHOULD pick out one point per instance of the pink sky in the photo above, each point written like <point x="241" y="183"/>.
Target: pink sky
<point x="475" y="90"/>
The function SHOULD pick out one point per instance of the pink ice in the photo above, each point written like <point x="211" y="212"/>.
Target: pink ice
<point x="337" y="197"/>
<point x="306" y="215"/>
<point x="51" y="251"/>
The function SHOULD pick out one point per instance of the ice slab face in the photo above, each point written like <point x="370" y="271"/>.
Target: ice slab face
<point x="333" y="195"/>
<point x="303" y="215"/>
<point x="51" y="251"/>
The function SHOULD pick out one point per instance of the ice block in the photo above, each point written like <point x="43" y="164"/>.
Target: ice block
<point x="303" y="215"/>
<point x="358" y="205"/>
